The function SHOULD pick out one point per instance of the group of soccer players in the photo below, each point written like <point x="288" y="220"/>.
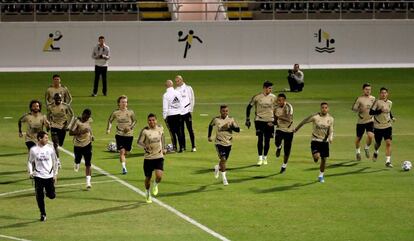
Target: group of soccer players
<point x="374" y="118"/>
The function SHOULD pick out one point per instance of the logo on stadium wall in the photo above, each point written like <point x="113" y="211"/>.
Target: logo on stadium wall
<point x="188" y="40"/>
<point x="325" y="42"/>
<point x="50" y="44"/>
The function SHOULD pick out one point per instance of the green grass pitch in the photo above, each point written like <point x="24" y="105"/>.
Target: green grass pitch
<point x="359" y="200"/>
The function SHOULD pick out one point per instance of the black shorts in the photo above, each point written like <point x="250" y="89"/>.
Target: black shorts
<point x="223" y="151"/>
<point x="320" y="147"/>
<point x="383" y="133"/>
<point x="58" y="135"/>
<point x="85" y="152"/>
<point x="262" y="128"/>
<point x="361" y="128"/>
<point x="124" y="142"/>
<point x="151" y="164"/>
<point x="30" y="144"/>
<point x="286" y="136"/>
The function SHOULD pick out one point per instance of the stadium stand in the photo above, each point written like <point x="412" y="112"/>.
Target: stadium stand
<point x="159" y="10"/>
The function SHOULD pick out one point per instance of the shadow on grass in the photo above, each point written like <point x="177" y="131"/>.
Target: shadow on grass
<point x="116" y="156"/>
<point x="19" y="225"/>
<point x="106" y="210"/>
<point x="79" y="177"/>
<point x="301" y="185"/>
<point x="13" y="154"/>
<point x="31" y="193"/>
<point x="208" y="170"/>
<point x="13" y="181"/>
<point x="335" y="165"/>
<point x="187" y="192"/>
<point x="101" y="199"/>
<point x="359" y="171"/>
<point x="252" y="178"/>
<point x="283" y="188"/>
<point x="13" y="172"/>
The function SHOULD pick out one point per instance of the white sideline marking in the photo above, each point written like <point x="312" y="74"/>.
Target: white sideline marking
<point x="7" y="117"/>
<point x="203" y="114"/>
<point x="169" y="208"/>
<point x="64" y="185"/>
<point x="13" y="238"/>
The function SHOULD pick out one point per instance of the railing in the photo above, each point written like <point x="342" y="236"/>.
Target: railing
<point x="236" y="10"/>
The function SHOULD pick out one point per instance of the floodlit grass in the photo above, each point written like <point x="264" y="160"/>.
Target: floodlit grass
<point x="359" y="200"/>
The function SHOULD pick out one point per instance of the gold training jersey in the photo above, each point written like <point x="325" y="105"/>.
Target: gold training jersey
<point x="35" y="123"/>
<point x="322" y="127"/>
<point x="382" y="120"/>
<point x="125" y="122"/>
<point x="153" y="141"/>
<point x="362" y="106"/>
<point x="264" y="105"/>
<point x="224" y="132"/>
<point x="59" y="116"/>
<point x="51" y="91"/>
<point x="284" y="117"/>
<point x="84" y="130"/>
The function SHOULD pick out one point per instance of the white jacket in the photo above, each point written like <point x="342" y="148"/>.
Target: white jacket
<point x="187" y="95"/>
<point x="171" y="103"/>
<point x="42" y="162"/>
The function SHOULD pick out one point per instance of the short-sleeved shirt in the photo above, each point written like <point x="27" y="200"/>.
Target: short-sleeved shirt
<point x="284" y="117"/>
<point x="51" y="91"/>
<point x="362" y="105"/>
<point x="83" y="139"/>
<point x="382" y="120"/>
<point x="264" y="106"/>
<point x="322" y="127"/>
<point x="59" y="115"/>
<point x="34" y="125"/>
<point x="224" y="132"/>
<point x="124" y="118"/>
<point x="153" y="139"/>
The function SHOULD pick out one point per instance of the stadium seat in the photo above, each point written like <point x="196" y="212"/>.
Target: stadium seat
<point x="237" y="15"/>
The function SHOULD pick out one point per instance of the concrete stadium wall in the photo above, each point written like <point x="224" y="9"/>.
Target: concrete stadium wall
<point x="155" y="45"/>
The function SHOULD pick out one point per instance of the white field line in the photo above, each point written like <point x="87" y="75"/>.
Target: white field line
<point x="13" y="238"/>
<point x="63" y="185"/>
<point x="169" y="208"/>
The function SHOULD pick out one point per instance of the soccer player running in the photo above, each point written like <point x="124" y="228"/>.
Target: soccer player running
<point x="224" y="136"/>
<point x="42" y="167"/>
<point x="59" y="115"/>
<point x="36" y="122"/>
<point x="322" y="135"/>
<point x="126" y="121"/>
<point x="57" y="87"/>
<point x="187" y="96"/>
<point x="284" y="129"/>
<point x="264" y="104"/>
<point x="151" y="138"/>
<point x="383" y="118"/>
<point x="82" y="139"/>
<point x="365" y="122"/>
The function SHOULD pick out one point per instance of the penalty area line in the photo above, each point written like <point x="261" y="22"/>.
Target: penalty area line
<point x="166" y="206"/>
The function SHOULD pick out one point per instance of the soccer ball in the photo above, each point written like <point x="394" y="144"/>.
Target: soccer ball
<point x="406" y="166"/>
<point x="170" y="148"/>
<point x="111" y="147"/>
